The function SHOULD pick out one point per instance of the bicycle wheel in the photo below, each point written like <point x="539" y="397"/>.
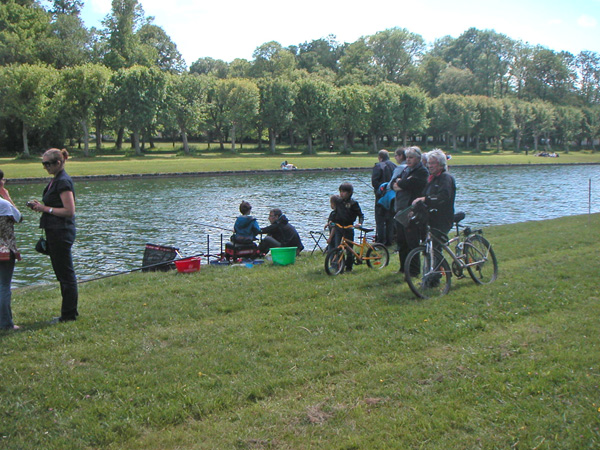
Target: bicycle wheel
<point x="431" y="279"/>
<point x="378" y="256"/>
<point x="479" y="251"/>
<point x="335" y="261"/>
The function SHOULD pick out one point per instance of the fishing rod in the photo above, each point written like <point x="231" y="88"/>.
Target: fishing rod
<point x="361" y="180"/>
<point x="214" y="226"/>
<point x="163" y="263"/>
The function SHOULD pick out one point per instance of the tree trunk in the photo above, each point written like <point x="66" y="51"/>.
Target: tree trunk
<point x="374" y="140"/>
<point x="25" y="141"/>
<point x="98" y="134"/>
<point x="272" y="140"/>
<point x="233" y="137"/>
<point x="86" y="138"/>
<point x="310" y="144"/>
<point x="136" y="142"/>
<point x="186" y="147"/>
<point x="119" y="143"/>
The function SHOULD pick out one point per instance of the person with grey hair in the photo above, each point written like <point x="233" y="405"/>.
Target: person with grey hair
<point x="440" y="192"/>
<point x="438" y="199"/>
<point x="408" y="186"/>
<point x="382" y="172"/>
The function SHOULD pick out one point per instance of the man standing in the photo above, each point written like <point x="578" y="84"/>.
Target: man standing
<point x="279" y="234"/>
<point x="382" y="173"/>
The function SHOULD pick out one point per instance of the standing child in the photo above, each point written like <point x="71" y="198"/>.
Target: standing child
<point x="346" y="213"/>
<point x="334" y="201"/>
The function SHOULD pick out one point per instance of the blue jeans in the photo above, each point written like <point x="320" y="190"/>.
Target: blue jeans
<point x="6" y="272"/>
<point x="60" y="242"/>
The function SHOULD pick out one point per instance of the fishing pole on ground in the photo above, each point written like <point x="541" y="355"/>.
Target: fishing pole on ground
<point x="150" y="266"/>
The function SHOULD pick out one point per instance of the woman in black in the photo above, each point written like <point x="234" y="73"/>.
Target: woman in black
<point x="58" y="221"/>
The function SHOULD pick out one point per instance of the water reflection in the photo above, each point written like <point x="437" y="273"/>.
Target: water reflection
<point x="115" y="219"/>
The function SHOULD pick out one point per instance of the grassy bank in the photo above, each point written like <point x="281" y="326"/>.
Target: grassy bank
<point x="161" y="162"/>
<point x="289" y="358"/>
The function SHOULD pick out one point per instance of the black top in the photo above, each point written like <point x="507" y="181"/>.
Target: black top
<point x="283" y="232"/>
<point x="60" y="183"/>
<point x="439" y="198"/>
<point x="348" y="211"/>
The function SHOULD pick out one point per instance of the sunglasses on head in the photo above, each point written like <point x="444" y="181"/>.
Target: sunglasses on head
<point x="48" y="163"/>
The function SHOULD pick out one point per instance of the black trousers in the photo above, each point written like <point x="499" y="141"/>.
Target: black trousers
<point x="60" y="242"/>
<point x="384" y="225"/>
<point x="348" y="233"/>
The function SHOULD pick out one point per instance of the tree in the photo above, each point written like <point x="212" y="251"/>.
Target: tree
<point x="351" y="112"/>
<point x="453" y="114"/>
<point x="272" y="60"/>
<point x="490" y="119"/>
<point x="276" y="105"/>
<point x="320" y="53"/>
<point x="209" y="66"/>
<point x="522" y="115"/>
<point x="486" y="54"/>
<point x="84" y="87"/>
<point x="312" y="108"/>
<point x="397" y="51"/>
<point x="241" y="105"/>
<point x="123" y="47"/>
<point x="548" y="77"/>
<point x="412" y="112"/>
<point x="28" y="94"/>
<point x="160" y="50"/>
<point x="186" y="103"/>
<point x="23" y="28"/>
<point x="356" y="67"/>
<point x="567" y="124"/>
<point x="541" y="121"/>
<point x="385" y="113"/>
<point x="588" y="69"/>
<point x="139" y="92"/>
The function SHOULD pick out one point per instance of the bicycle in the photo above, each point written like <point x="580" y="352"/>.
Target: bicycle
<point x="375" y="255"/>
<point x="472" y="252"/>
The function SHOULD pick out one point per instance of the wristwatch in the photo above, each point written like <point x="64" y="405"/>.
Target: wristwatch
<point x="50" y="210"/>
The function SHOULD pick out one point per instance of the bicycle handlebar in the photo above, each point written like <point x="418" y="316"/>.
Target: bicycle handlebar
<point x="359" y="227"/>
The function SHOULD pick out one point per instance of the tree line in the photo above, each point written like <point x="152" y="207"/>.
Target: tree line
<point x="128" y="79"/>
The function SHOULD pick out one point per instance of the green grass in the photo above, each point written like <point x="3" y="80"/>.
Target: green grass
<point x="163" y="162"/>
<point x="290" y="358"/>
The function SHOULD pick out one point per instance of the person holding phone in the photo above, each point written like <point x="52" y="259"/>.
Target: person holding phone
<point x="58" y="221"/>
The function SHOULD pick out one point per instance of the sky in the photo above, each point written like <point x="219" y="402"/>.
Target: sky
<point x="235" y="28"/>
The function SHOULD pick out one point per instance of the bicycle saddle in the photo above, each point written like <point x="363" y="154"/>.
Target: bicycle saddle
<point x="366" y="230"/>
<point x="459" y="216"/>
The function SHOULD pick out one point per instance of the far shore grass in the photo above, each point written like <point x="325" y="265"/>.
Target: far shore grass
<point x="168" y="161"/>
<point x="289" y="358"/>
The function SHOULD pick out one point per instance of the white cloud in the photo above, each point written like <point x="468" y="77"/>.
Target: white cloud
<point x="587" y="21"/>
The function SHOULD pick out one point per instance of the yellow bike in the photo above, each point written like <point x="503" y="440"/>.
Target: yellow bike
<point x="375" y="255"/>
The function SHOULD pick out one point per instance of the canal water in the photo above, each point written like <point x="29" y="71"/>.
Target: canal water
<point x="115" y="219"/>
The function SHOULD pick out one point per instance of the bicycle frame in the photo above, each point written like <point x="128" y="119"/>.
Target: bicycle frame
<point x="459" y="256"/>
<point x="346" y="244"/>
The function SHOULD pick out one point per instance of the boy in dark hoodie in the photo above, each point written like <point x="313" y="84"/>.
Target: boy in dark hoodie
<point x="347" y="212"/>
<point x="246" y="227"/>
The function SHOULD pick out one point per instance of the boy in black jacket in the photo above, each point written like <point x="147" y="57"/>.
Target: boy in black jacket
<point x="348" y="210"/>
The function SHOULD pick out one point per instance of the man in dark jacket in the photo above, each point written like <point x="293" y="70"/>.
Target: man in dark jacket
<point x="279" y="234"/>
<point x="384" y="224"/>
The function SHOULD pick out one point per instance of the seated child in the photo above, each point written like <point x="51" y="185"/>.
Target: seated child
<point x="246" y="227"/>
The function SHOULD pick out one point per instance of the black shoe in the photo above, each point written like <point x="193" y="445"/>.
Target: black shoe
<point x="62" y="319"/>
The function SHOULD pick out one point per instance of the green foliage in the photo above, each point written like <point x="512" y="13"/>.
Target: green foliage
<point x="27" y="94"/>
<point x="291" y="358"/>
